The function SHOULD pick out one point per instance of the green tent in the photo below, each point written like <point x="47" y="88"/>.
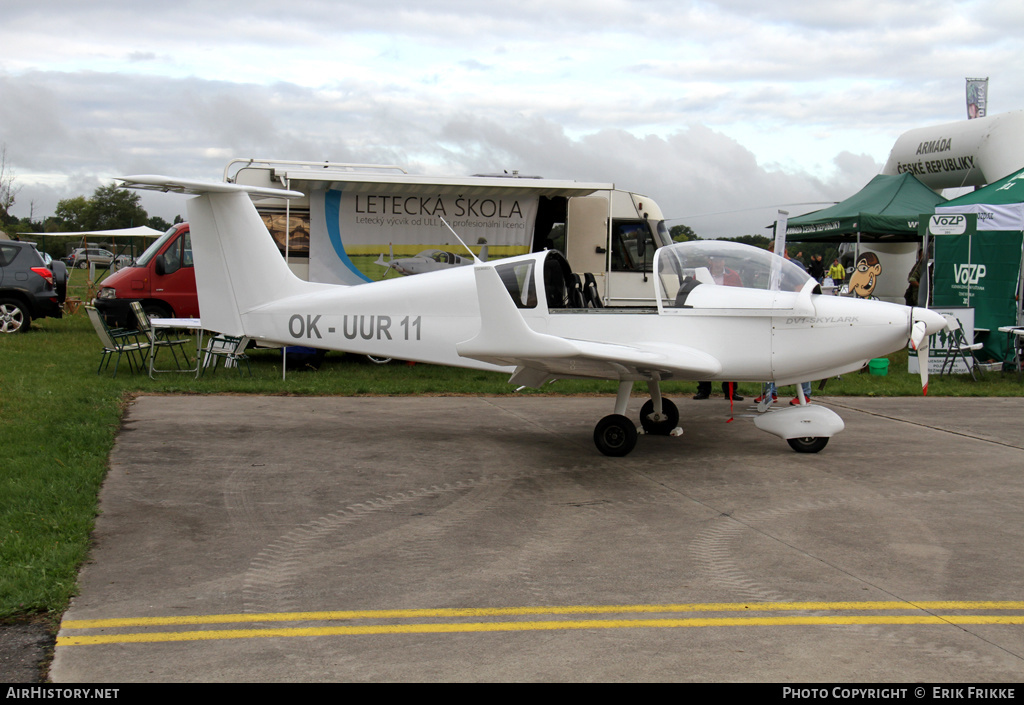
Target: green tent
<point x="886" y="210"/>
<point x="1001" y="204"/>
<point x="978" y="257"/>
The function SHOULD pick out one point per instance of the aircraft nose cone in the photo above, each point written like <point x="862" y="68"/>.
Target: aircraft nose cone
<point x="934" y="321"/>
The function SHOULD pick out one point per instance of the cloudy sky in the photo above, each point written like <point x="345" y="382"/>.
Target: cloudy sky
<point x="719" y="110"/>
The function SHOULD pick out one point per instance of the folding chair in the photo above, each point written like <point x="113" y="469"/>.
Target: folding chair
<point x="157" y="341"/>
<point x="229" y="348"/>
<point x="121" y="342"/>
<point x="959" y="346"/>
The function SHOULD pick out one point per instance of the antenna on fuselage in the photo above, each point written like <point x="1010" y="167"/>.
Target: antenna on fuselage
<point x="476" y="260"/>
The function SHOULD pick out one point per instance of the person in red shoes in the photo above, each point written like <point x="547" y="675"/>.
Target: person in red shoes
<point x="723" y="276"/>
<point x="775" y="397"/>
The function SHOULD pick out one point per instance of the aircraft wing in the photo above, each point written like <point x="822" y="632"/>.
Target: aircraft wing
<point x="553" y="357"/>
<point x="506" y="340"/>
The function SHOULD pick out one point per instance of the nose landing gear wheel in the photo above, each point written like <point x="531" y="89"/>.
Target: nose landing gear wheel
<point x="663" y="426"/>
<point x="807" y="445"/>
<point x="615" y="435"/>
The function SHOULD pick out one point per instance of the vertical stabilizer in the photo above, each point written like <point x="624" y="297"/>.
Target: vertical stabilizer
<point x="238" y="266"/>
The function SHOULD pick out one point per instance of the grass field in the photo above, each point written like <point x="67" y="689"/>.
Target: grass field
<point x="59" y="419"/>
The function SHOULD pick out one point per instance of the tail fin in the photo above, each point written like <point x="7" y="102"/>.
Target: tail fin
<point x="238" y="266"/>
<point x="391" y="256"/>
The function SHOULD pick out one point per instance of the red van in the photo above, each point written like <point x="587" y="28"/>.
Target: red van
<point x="162" y="278"/>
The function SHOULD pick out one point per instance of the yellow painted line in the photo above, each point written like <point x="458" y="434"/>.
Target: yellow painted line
<point x="536" y="626"/>
<point x="524" y="611"/>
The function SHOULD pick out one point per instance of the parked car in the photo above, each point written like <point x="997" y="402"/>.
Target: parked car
<point x="82" y="256"/>
<point x="162" y="279"/>
<point x="28" y="288"/>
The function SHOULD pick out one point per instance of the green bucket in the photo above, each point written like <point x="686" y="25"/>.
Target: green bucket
<point x="879" y="366"/>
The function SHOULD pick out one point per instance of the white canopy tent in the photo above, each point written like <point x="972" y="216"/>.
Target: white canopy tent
<point x="141" y="231"/>
<point x="84" y="236"/>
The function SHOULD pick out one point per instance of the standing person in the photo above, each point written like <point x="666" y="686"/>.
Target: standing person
<point x="910" y="296"/>
<point x="769" y="389"/>
<point x="785" y="254"/>
<point x="728" y="389"/>
<point x="817" y="268"/>
<point x="837" y="272"/>
<point x="723" y="276"/>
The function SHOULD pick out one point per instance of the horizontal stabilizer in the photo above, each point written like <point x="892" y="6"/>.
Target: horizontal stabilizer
<point x="169" y="184"/>
<point x="238" y="267"/>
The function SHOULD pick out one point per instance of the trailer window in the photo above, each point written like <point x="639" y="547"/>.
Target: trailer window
<point x="295" y="223"/>
<point x="626" y="238"/>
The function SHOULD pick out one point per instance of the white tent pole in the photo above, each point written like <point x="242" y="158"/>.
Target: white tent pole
<point x="781" y="224"/>
<point x="287" y="242"/>
<point x="924" y="290"/>
<point x="1020" y="288"/>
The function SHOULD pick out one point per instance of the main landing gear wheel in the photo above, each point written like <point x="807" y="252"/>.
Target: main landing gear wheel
<point x="661" y="427"/>
<point x="807" y="445"/>
<point x="615" y="435"/>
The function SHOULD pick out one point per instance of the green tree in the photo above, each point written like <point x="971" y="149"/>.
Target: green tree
<point x="682" y="233"/>
<point x="72" y="214"/>
<point x="113" y="207"/>
<point x="761" y="241"/>
<point x="7" y="188"/>
<point x="158" y="223"/>
<point x="110" y="208"/>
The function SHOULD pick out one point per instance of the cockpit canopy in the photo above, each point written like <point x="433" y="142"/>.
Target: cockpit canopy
<point x="684" y="266"/>
<point x="440" y="256"/>
<point x="721" y="269"/>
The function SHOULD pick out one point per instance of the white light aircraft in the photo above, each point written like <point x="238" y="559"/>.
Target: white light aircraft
<point x="720" y="311"/>
<point x="429" y="261"/>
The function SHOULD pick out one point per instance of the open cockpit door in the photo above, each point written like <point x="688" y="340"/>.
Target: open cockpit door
<point x="541" y="281"/>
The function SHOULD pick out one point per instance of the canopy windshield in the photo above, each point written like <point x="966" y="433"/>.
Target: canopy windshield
<point x="685" y="265"/>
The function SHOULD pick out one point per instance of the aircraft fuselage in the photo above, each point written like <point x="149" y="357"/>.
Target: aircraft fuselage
<point x="756" y="335"/>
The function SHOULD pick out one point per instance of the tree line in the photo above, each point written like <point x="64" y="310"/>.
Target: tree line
<point x="798" y="250"/>
<point x="109" y="208"/>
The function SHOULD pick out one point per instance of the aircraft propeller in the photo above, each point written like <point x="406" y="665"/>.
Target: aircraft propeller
<point x="926" y="323"/>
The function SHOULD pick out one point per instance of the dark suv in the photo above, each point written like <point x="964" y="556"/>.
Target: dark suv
<point x="28" y="288"/>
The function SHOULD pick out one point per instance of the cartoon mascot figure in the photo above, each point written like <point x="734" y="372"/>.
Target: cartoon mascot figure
<point x="865" y="275"/>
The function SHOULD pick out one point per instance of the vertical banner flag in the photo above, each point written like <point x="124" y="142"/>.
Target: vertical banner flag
<point x="781" y="223"/>
<point x="977" y="97"/>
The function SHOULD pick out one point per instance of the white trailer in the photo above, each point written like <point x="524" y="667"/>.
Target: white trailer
<point x="351" y="213"/>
